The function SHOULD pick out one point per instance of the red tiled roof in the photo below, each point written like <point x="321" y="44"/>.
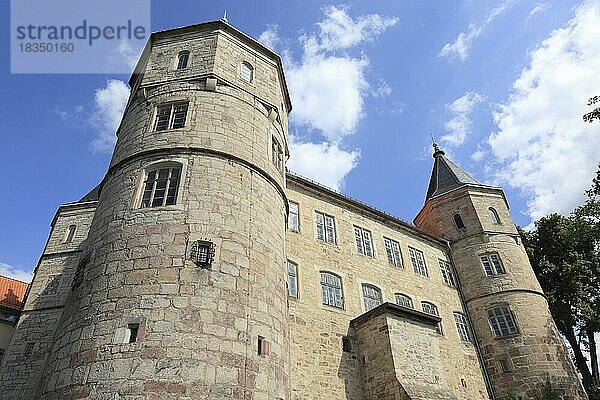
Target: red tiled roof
<point x="11" y="292"/>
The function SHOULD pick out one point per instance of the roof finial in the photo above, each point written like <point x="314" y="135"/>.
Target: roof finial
<point x="224" y="19"/>
<point x="436" y="148"/>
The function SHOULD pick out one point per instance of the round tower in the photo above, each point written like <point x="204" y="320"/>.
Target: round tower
<point x="517" y="337"/>
<point x="181" y="290"/>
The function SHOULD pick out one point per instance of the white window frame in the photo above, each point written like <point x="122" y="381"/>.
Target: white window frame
<point x="392" y="250"/>
<point x="156" y="168"/>
<point x="332" y="292"/>
<point x="502" y="322"/>
<point x="431" y="309"/>
<point x="364" y="241"/>
<point x="325" y="227"/>
<point x="462" y="327"/>
<point x="180" y="56"/>
<point x="405" y="302"/>
<point x="294" y="217"/>
<point x="172" y="113"/>
<point x="494" y="215"/>
<point x="492" y="264"/>
<point x="447" y="273"/>
<point x="417" y="258"/>
<point x="372" y="296"/>
<point x="292" y="279"/>
<point x="247" y="72"/>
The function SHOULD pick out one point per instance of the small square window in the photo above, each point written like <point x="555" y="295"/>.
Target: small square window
<point x="171" y="116"/>
<point x="134" y="330"/>
<point x="203" y="252"/>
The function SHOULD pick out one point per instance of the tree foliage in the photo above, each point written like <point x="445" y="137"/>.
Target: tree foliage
<point x="565" y="255"/>
<point x="594" y="114"/>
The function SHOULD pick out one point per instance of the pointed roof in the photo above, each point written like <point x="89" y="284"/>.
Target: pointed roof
<point x="446" y="175"/>
<point x="93" y="195"/>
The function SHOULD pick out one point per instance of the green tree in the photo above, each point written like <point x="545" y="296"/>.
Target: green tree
<point x="594" y="114"/>
<point x="564" y="253"/>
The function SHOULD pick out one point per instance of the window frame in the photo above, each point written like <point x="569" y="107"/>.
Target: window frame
<point x="494" y="216"/>
<point x="436" y="313"/>
<point x="171" y="119"/>
<point x="458" y="222"/>
<point x="462" y="327"/>
<point x="499" y="319"/>
<point x="368" y="299"/>
<point x="406" y="297"/>
<point x="364" y="246"/>
<point x="330" y="288"/>
<point x="419" y="269"/>
<point x="448" y="275"/>
<point x="295" y="229"/>
<point x="495" y="268"/>
<point x="70" y="233"/>
<point x="394" y="255"/>
<point x="295" y="278"/>
<point x="325" y="218"/>
<point x="180" y="57"/>
<point x="250" y="69"/>
<point x="157" y="167"/>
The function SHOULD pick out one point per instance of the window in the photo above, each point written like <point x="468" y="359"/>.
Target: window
<point x="462" y="326"/>
<point x="458" y="221"/>
<point x="346" y="344"/>
<point x="364" y="244"/>
<point x="276" y="154"/>
<point x="247" y="72"/>
<point x="494" y="215"/>
<point x="392" y="249"/>
<point x="504" y="366"/>
<point x="160" y="187"/>
<point x="447" y="273"/>
<point x="203" y="253"/>
<point x="294" y="217"/>
<point x="134" y="330"/>
<point x="501" y="321"/>
<point x="325" y="228"/>
<point x="70" y="234"/>
<point x="262" y="346"/>
<point x="171" y="116"/>
<point x="418" y="261"/>
<point x="331" y="290"/>
<point x="182" y="60"/>
<point x="403" y="300"/>
<point x="492" y="264"/>
<point x="371" y="296"/>
<point x="292" y="279"/>
<point x="431" y="309"/>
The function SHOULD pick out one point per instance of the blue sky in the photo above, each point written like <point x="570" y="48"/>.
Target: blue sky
<point x="500" y="84"/>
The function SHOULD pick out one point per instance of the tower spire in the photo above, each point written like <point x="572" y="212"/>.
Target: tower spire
<point x="436" y="148"/>
<point x="224" y="19"/>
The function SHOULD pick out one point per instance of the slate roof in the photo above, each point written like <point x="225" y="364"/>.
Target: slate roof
<point x="92" y="195"/>
<point x="446" y="175"/>
<point x="12" y="292"/>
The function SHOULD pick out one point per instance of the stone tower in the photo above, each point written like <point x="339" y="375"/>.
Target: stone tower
<point x="179" y="290"/>
<point x="520" y="344"/>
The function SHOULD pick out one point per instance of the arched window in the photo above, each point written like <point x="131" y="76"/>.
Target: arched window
<point x="331" y="290"/>
<point x="371" y="296"/>
<point x="403" y="300"/>
<point x="161" y="185"/>
<point x="431" y="309"/>
<point x="494" y="215"/>
<point x="70" y="234"/>
<point x="182" y="60"/>
<point x="458" y="221"/>
<point x="247" y="72"/>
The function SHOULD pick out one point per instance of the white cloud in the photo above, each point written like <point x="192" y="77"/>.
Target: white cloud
<point x="459" y="125"/>
<point x="109" y="104"/>
<point x="540" y="7"/>
<point x="461" y="46"/>
<point x="270" y="36"/>
<point x="15" y="272"/>
<point x="383" y="89"/>
<point x="542" y="146"/>
<point x="324" y="162"/>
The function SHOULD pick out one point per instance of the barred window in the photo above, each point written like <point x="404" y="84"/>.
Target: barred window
<point x="392" y="249"/>
<point x="447" y="273"/>
<point x="247" y="72"/>
<point x="294" y="217"/>
<point x="371" y="296"/>
<point x="494" y="215"/>
<point x="403" y="300"/>
<point x="171" y="116"/>
<point x="70" y="234"/>
<point x="160" y="187"/>
<point x="325" y="225"/>
<point x="418" y="261"/>
<point x="458" y="221"/>
<point x="492" y="264"/>
<point x="462" y="326"/>
<point x="331" y="290"/>
<point x="501" y="321"/>
<point x="182" y="60"/>
<point x="292" y="279"/>
<point x="364" y="244"/>
<point x="431" y="309"/>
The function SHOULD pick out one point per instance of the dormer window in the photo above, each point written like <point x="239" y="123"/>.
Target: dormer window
<point x="247" y="72"/>
<point x="182" y="60"/>
<point x="458" y="221"/>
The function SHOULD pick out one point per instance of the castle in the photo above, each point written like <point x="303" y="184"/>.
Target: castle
<point x="200" y="269"/>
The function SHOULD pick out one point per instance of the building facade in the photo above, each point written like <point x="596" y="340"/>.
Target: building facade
<point x="12" y="292"/>
<point x="200" y="269"/>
